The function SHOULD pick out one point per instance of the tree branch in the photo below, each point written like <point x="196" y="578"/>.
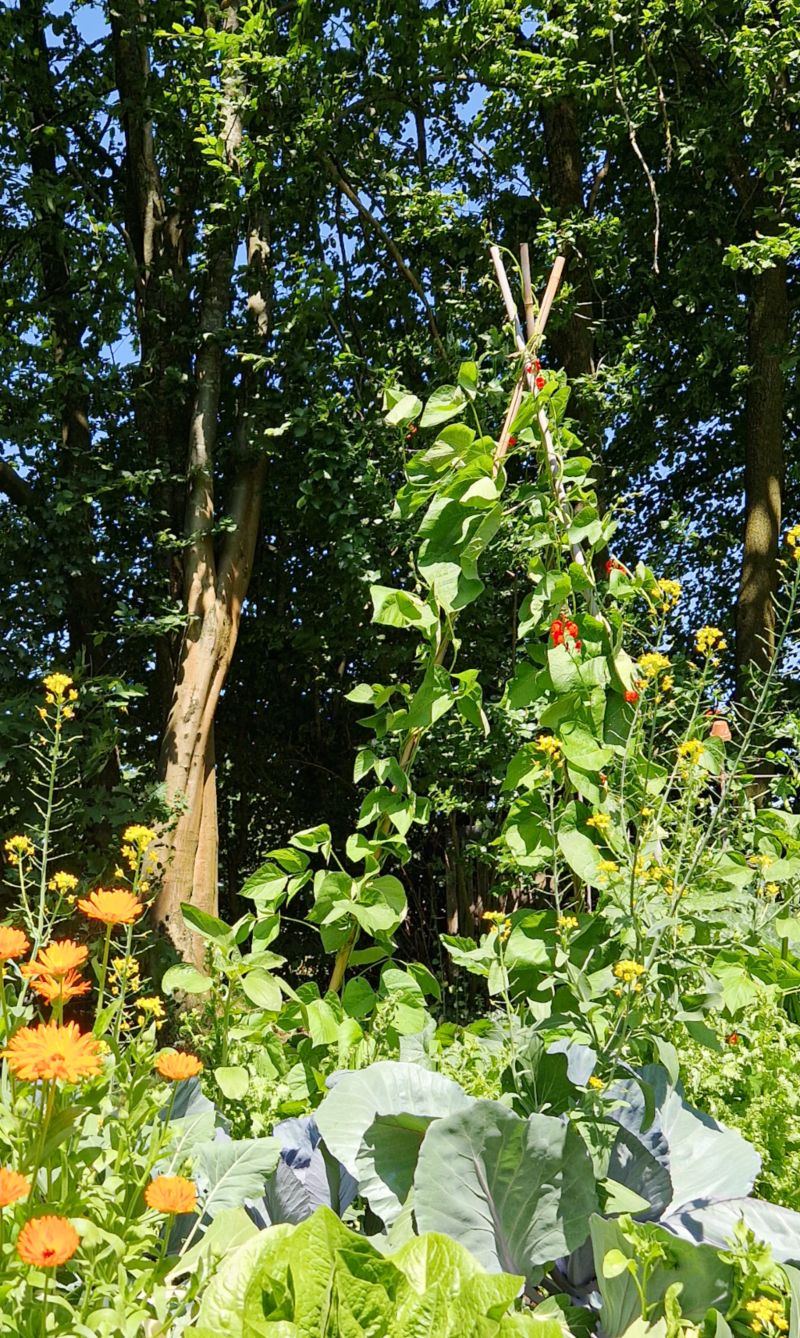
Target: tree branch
<point x="408" y="274"/>
<point x="14" y="487"/>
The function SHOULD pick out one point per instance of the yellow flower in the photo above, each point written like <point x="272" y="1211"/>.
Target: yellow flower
<point x="607" y="866"/>
<point x="709" y="640"/>
<point x="793" y="542"/>
<point x="629" y="971"/>
<point x="646" y="812"/>
<point x="653" y="663"/>
<point x="566" y="922"/>
<point x="139" y="836"/>
<point x="759" y="861"/>
<point x="150" y="1009"/>
<point x="63" y="883"/>
<point x="18" y="848"/>
<point x="125" y="970"/>
<point x="766" y="1311"/>
<point x="667" y="683"/>
<point x="596" y="1083"/>
<point x="771" y="889"/>
<point x="690" y="751"/>
<point x="57" y="685"/>
<point x="549" y="746"/>
<point x="670" y="592"/>
<point x="600" y="821"/>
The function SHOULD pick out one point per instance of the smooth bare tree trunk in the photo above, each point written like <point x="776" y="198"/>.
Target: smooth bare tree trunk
<point x="764" y="471"/>
<point x="213" y="582"/>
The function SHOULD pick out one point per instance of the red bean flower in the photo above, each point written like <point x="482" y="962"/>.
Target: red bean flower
<point x="613" y="565"/>
<point x="540" y="383"/>
<point x="631" y="695"/>
<point x="563" y="628"/>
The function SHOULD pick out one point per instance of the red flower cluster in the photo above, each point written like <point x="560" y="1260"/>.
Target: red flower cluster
<point x="534" y="366"/>
<point x="613" y="565"/>
<point x="512" y="441"/>
<point x="540" y="383"/>
<point x="631" y="695"/>
<point x="560" y="630"/>
<point x="733" y="1039"/>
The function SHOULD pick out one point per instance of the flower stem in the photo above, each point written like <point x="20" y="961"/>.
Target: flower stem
<point x="104" y="970"/>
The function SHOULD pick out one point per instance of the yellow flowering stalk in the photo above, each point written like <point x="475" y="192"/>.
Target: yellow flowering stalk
<point x="567" y="922"/>
<point x="653" y="663"/>
<point x="63" y="883"/>
<point x="550" y="747"/>
<point x="58" y="688"/>
<point x="709" y="641"/>
<point x="136" y="842"/>
<point x="690" y="751"/>
<point x="125" y="975"/>
<point x="18" y="848"/>
<point x="151" y="1009"/>
<point x="670" y="592"/>
<point x="606" y="868"/>
<point x="766" y="1313"/>
<point x="793" y="542"/>
<point x="629" y="971"/>
<point x="600" y="821"/>
<point x="596" y="1084"/>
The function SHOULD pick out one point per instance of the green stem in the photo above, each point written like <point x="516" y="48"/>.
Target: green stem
<point x="48" y="819"/>
<point x="48" y="1114"/>
<point x="104" y="970"/>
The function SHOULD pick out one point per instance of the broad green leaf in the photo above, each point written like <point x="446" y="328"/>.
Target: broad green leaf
<point x="229" y="1172"/>
<point x="404" y="410"/>
<point x="358" y="997"/>
<point x="405" y="1098"/>
<point x="208" y="926"/>
<point x="233" y="1081"/>
<point x="705" y="1281"/>
<point x="263" y="990"/>
<point x="517" y="1193"/>
<point x="185" y="978"/>
<point x="400" y="608"/>
<point x="444" y="403"/>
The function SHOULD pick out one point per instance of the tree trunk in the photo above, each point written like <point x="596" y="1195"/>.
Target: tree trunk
<point x="571" y="340"/>
<point x="764" y="470"/>
<point x="213" y="585"/>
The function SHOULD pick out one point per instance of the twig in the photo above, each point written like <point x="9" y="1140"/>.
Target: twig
<point x="389" y="243"/>
<point x="635" y="146"/>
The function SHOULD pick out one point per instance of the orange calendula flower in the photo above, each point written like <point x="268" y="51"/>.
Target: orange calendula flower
<point x="53" y="1052"/>
<point x="13" y="943"/>
<point x="60" y="989"/>
<point x="13" y="1186"/>
<point x="171" y="1194"/>
<point x="113" y="906"/>
<point x="57" y="959"/>
<point x="177" y="1064"/>
<point x="47" y="1242"/>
